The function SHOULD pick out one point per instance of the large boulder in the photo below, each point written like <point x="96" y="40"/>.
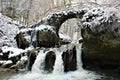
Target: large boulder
<point x="69" y="59"/>
<point x="101" y="50"/>
<point x="21" y="41"/>
<point x="101" y="34"/>
<point x="11" y="53"/>
<point x="50" y="61"/>
<point x="32" y="54"/>
<point x="46" y="36"/>
<point x="40" y="36"/>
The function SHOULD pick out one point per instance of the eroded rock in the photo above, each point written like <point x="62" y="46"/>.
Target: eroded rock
<point x="21" y="41"/>
<point x="50" y="61"/>
<point x="69" y="60"/>
<point x="101" y="48"/>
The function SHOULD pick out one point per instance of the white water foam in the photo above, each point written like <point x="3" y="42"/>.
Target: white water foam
<point x="78" y="55"/>
<point x="58" y="67"/>
<point x="58" y="73"/>
<point x="38" y="66"/>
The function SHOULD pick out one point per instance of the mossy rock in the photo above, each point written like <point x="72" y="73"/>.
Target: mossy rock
<point x="69" y="60"/>
<point x="46" y="39"/>
<point x="50" y="61"/>
<point x="21" y="41"/>
<point x="96" y="56"/>
<point x="101" y="50"/>
<point x="32" y="54"/>
<point x="105" y="38"/>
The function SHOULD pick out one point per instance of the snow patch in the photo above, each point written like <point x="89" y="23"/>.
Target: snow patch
<point x="95" y="17"/>
<point x="25" y="30"/>
<point x="5" y="62"/>
<point x="1" y="54"/>
<point x="24" y="58"/>
<point x="65" y="37"/>
<point x="13" y="51"/>
<point x="45" y="28"/>
<point x="8" y="31"/>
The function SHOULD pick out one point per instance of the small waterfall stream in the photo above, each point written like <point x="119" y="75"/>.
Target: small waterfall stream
<point x="58" y="67"/>
<point x="58" y="73"/>
<point x="38" y="66"/>
<point x="78" y="55"/>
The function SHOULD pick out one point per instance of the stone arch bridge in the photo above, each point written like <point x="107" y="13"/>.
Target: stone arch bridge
<point x="100" y="31"/>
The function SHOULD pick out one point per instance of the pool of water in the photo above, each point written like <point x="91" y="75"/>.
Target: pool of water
<point x="6" y="75"/>
<point x="105" y="76"/>
<point x="110" y="76"/>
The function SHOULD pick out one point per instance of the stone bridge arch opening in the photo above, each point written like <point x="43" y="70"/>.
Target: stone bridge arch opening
<point x="70" y="29"/>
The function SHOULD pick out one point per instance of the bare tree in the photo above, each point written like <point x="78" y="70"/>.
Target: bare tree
<point x="28" y="12"/>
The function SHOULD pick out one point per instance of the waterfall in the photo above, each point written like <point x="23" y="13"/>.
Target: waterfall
<point x="78" y="55"/>
<point x="58" y="73"/>
<point x="38" y="66"/>
<point x="75" y="36"/>
<point x="58" y="67"/>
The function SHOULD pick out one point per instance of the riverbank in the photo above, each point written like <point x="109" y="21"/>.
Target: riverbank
<point x="7" y="70"/>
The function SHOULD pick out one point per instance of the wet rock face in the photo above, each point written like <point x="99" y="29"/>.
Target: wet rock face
<point x="46" y="39"/>
<point x="102" y="50"/>
<point x="32" y="54"/>
<point x="97" y="57"/>
<point x="50" y="61"/>
<point x="7" y="64"/>
<point x="21" y="41"/>
<point x="69" y="60"/>
<point x="14" y="59"/>
<point x="41" y="36"/>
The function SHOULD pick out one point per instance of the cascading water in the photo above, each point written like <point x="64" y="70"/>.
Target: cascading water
<point x="38" y="66"/>
<point x="78" y="55"/>
<point x="58" y="73"/>
<point x="58" y="67"/>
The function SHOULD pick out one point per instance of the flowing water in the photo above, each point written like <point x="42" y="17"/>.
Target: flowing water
<point x="58" y="73"/>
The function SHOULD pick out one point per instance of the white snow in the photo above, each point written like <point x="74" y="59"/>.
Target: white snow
<point x="1" y="54"/>
<point x="45" y="28"/>
<point x="25" y="30"/>
<point x="5" y="62"/>
<point x="30" y="33"/>
<point x="24" y="58"/>
<point x="95" y="17"/>
<point x="13" y="51"/>
<point x="29" y="48"/>
<point x="64" y="37"/>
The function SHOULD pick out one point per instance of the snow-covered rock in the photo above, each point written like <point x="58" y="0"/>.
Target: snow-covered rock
<point x="96" y="19"/>
<point x="45" y="28"/>
<point x="101" y="33"/>
<point x="8" y="31"/>
<point x="6" y="64"/>
<point x="13" y="51"/>
<point x="21" y="64"/>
